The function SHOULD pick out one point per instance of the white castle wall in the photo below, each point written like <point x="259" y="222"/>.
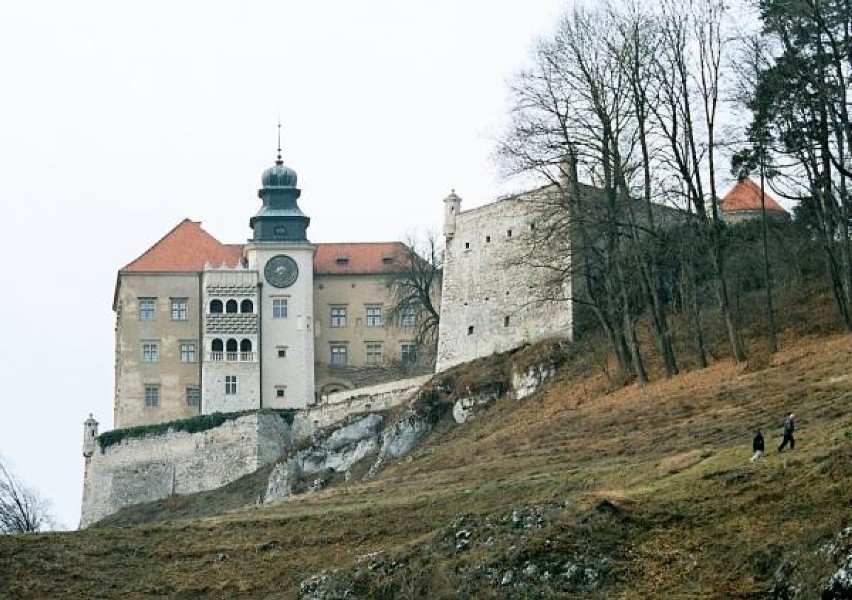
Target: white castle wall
<point x="486" y="302"/>
<point x="340" y="405"/>
<point x="149" y="468"/>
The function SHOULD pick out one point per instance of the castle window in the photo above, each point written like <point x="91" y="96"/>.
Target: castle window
<point x="374" y="315"/>
<point x="279" y="308"/>
<point x="338" y="316"/>
<point x="280" y="391"/>
<point x="217" y="350"/>
<point x="487" y="239"/>
<point x="193" y="396"/>
<point x="147" y="309"/>
<point x="532" y="226"/>
<point x="408" y="352"/>
<point x="338" y="354"/>
<point x="215" y="307"/>
<point x="506" y="321"/>
<point x="150" y="352"/>
<point x="374" y="353"/>
<point x="179" y="309"/>
<point x="230" y="385"/>
<point x="470" y="329"/>
<point x="231" y="306"/>
<point x="409" y="317"/>
<point x="246" y="354"/>
<point x="282" y="351"/>
<point x="231" y="349"/>
<point x="387" y="260"/>
<point x="187" y="352"/>
<point x="247" y="306"/>
<point x="342" y="260"/>
<point x="467" y="245"/>
<point x="152" y="396"/>
<point x="508" y="233"/>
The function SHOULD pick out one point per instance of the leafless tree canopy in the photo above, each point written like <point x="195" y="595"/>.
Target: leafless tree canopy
<point x="22" y="510"/>
<point x="415" y="287"/>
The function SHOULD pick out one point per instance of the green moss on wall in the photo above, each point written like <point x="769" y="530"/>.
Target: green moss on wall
<point x="191" y="425"/>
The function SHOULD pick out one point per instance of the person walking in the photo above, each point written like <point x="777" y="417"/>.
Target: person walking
<point x="757" y="445"/>
<point x="789" y="428"/>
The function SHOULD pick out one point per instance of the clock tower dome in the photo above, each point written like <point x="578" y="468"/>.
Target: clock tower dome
<point x="281" y="255"/>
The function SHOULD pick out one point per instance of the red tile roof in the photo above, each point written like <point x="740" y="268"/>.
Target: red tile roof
<point x="185" y="249"/>
<point x="745" y="195"/>
<point x="358" y="257"/>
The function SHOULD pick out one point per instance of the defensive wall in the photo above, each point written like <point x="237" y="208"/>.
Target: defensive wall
<point x="155" y="466"/>
<point x="488" y="300"/>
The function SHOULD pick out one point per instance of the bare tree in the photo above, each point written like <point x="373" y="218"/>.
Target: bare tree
<point x="22" y="509"/>
<point x="688" y="69"/>
<point x="415" y="288"/>
<point x="585" y="109"/>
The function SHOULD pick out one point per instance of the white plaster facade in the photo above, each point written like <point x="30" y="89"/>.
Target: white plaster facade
<point x="239" y="329"/>
<point x="286" y="381"/>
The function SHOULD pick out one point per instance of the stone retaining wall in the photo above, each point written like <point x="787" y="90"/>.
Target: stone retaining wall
<point x="149" y="468"/>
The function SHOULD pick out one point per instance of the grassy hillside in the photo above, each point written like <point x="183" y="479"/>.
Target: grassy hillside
<point x="577" y="491"/>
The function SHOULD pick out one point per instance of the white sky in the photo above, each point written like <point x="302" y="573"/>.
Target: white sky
<point x="119" y="119"/>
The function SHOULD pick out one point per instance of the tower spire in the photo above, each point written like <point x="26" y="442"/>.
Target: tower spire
<point x="278" y="160"/>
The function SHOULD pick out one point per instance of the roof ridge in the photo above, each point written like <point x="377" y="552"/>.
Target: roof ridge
<point x="162" y="239"/>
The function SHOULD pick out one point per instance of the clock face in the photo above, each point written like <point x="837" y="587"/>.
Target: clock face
<point x="281" y="271"/>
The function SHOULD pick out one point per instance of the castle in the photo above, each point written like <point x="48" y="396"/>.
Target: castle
<point x="279" y="322"/>
<point x="204" y="327"/>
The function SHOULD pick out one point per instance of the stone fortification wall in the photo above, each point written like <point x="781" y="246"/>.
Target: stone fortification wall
<point x="153" y="467"/>
<point x="488" y="302"/>
<point x="340" y="405"/>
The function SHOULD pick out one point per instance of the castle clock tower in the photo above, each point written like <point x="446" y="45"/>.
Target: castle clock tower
<point x="279" y="251"/>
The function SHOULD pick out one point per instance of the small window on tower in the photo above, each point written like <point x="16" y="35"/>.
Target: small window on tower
<point x="505" y="321"/>
<point x="342" y="260"/>
<point x="467" y="245"/>
<point x="487" y="239"/>
<point x="470" y="330"/>
<point x="282" y="351"/>
<point x="508" y="233"/>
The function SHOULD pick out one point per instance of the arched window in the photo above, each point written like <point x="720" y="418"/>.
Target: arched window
<point x="216" y="350"/>
<point x="231" y="306"/>
<point x="247" y="306"/>
<point x="215" y="306"/>
<point x="246" y="355"/>
<point x="231" y="349"/>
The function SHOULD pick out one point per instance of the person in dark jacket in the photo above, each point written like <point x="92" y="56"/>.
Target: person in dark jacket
<point x="757" y="445"/>
<point x="789" y="428"/>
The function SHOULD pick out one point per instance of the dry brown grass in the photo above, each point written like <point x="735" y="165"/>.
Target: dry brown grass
<point x="695" y="518"/>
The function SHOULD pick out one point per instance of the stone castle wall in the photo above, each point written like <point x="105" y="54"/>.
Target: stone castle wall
<point x="340" y="405"/>
<point x="149" y="468"/>
<point x="145" y="469"/>
<point x="487" y="302"/>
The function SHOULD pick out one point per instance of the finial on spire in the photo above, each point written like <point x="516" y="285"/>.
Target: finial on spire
<point x="278" y="161"/>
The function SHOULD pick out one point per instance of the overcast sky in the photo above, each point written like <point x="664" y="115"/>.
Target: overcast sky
<point x="119" y="119"/>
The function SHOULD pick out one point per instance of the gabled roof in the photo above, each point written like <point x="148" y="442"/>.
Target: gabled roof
<point x="745" y="195"/>
<point x="359" y="257"/>
<point x="185" y="249"/>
